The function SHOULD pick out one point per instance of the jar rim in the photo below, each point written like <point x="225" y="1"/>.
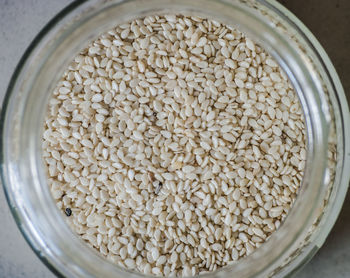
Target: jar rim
<point x="36" y="54"/>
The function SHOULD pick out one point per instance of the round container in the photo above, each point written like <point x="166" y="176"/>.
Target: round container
<point x="268" y="23"/>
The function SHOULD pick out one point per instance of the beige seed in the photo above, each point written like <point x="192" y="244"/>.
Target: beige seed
<point x="230" y="63"/>
<point x="137" y="135"/>
<point x="229" y="137"/>
<point x="210" y="116"/>
<point x="97" y="98"/>
<point x="188" y="169"/>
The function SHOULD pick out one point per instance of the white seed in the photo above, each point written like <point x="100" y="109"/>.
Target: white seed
<point x="250" y="44"/>
<point x="229" y="137"/>
<point x="155" y="253"/>
<point x="230" y="63"/>
<point x="188" y="169"/>
<point x="97" y="98"/>
<point x="137" y="135"/>
<point x="211" y="116"/>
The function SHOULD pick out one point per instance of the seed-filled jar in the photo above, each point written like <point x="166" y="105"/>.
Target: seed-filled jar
<point x="321" y="163"/>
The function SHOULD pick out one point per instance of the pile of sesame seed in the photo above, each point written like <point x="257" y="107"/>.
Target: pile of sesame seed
<point x="174" y="145"/>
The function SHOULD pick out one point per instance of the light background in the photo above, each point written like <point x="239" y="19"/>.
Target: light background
<point x="21" y="20"/>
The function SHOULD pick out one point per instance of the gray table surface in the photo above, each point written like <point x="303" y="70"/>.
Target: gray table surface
<point x="21" y="20"/>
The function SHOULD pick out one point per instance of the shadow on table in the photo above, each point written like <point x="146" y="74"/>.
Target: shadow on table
<point x="333" y="259"/>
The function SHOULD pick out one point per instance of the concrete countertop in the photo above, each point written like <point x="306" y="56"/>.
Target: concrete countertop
<point x="21" y="20"/>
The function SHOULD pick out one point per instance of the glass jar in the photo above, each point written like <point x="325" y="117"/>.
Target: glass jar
<point x="268" y="23"/>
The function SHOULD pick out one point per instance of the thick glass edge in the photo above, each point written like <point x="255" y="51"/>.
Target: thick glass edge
<point x="341" y="101"/>
<point x="339" y="193"/>
<point x="4" y="109"/>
